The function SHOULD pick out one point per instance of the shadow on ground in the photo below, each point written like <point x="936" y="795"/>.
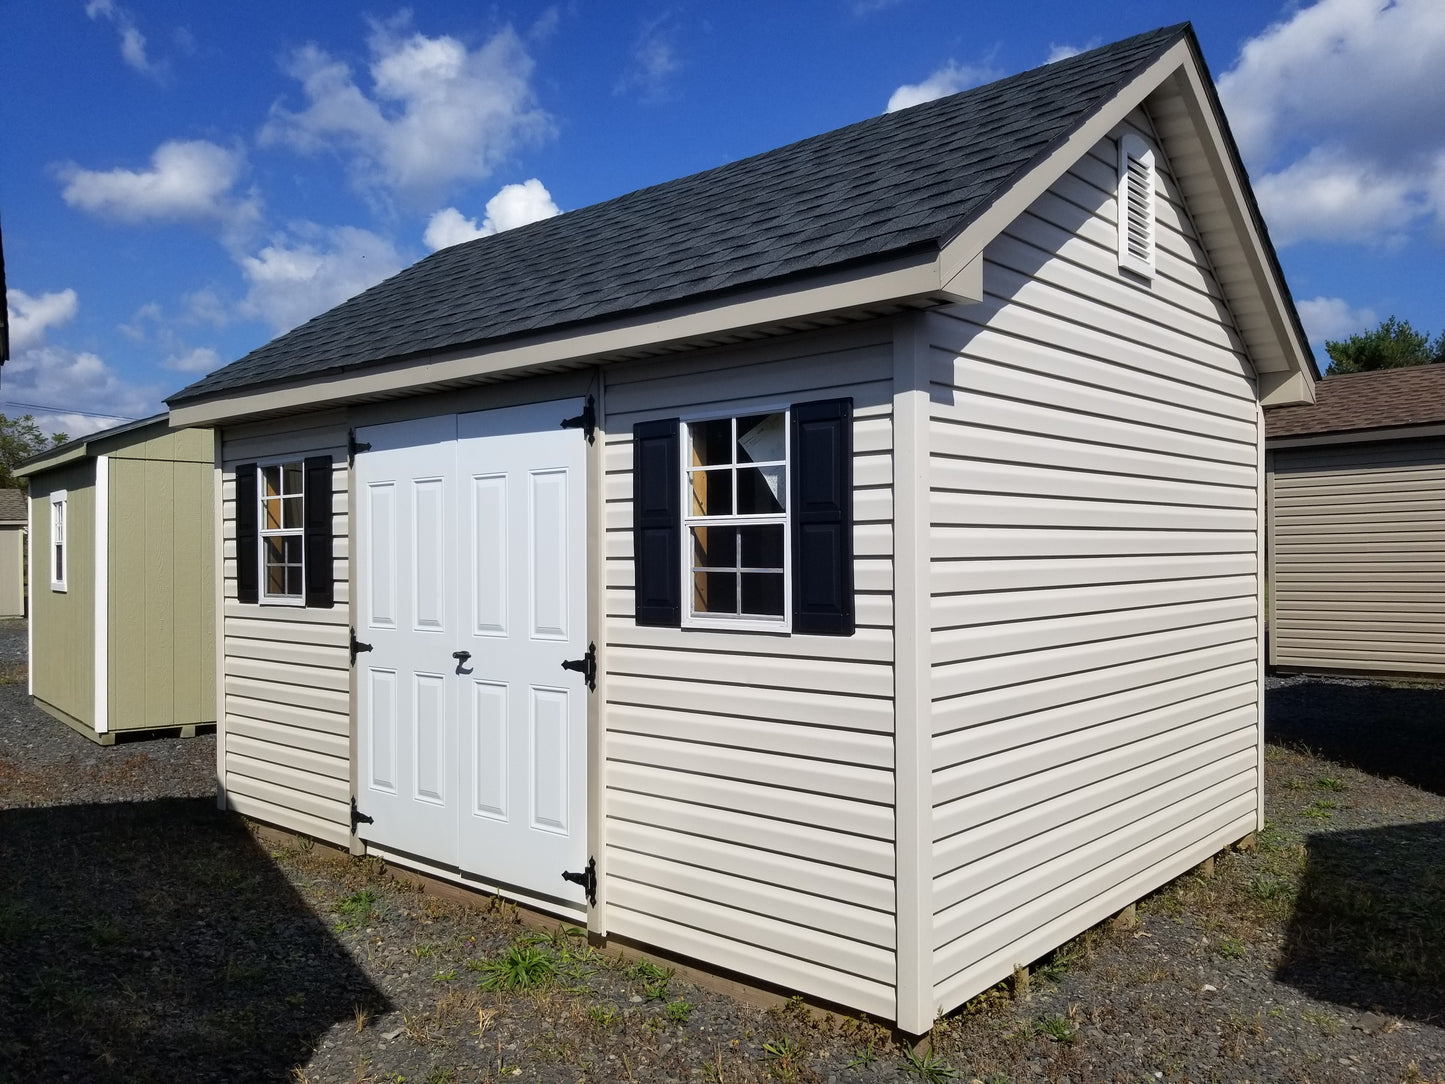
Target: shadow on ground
<point x="1385" y="731"/>
<point x="1368" y="928"/>
<point x="157" y="941"/>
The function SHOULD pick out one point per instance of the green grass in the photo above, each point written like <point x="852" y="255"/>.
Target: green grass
<point x="521" y="967"/>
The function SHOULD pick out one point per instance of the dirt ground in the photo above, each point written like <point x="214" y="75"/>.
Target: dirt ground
<point x="146" y="936"/>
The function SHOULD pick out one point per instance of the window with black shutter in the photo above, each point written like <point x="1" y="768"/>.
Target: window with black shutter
<point x="284" y="533"/>
<point x="744" y="520"/>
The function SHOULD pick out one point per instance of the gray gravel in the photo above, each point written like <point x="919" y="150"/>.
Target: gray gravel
<point x="145" y="936"/>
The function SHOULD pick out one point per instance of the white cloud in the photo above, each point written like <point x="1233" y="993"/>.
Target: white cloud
<point x="654" y="60"/>
<point x="188" y="180"/>
<point x="1339" y="111"/>
<point x="515" y="205"/>
<point x="1063" y="52"/>
<point x="51" y="375"/>
<point x="198" y="359"/>
<point x="862" y="8"/>
<point x="1330" y="196"/>
<point x="1333" y="318"/>
<point x="295" y="277"/>
<point x="438" y="112"/>
<point x="206" y="307"/>
<point x="132" y="41"/>
<point x="30" y="316"/>
<point x="949" y="79"/>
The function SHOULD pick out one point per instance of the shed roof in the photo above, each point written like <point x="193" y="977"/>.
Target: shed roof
<point x="1381" y="399"/>
<point x="881" y="197"/>
<point x="13" y="507"/>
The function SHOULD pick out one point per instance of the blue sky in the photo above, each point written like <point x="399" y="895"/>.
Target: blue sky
<point x="180" y="182"/>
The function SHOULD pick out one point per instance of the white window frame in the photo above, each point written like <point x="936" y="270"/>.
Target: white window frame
<point x="263" y="594"/>
<point x="59" y="556"/>
<point x="1138" y="221"/>
<point x="737" y="622"/>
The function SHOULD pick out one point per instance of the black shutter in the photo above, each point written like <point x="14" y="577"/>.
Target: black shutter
<point x="247" y="539"/>
<point x="657" y="523"/>
<point x="317" y="503"/>
<point x="822" y="515"/>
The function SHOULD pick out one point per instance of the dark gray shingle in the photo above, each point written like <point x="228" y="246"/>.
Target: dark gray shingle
<point x="888" y="185"/>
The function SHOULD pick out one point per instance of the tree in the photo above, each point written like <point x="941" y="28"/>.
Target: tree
<point x="1392" y="345"/>
<point x="20" y="438"/>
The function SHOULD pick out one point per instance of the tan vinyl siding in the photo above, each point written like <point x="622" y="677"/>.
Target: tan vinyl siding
<point x="1358" y="556"/>
<point x="162" y="596"/>
<point x="12" y="570"/>
<point x="749" y="777"/>
<point x="63" y="622"/>
<point x="287" y="668"/>
<point x="1094" y="500"/>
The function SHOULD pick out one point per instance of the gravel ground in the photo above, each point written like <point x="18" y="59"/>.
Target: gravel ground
<point x="145" y="936"/>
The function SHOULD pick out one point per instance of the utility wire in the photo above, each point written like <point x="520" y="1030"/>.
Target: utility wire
<point x="67" y="410"/>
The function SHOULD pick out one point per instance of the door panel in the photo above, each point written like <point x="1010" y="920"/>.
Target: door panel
<point x="406" y="705"/>
<point x="473" y="529"/>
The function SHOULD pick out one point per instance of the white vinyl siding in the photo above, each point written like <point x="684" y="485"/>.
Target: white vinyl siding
<point x="749" y="776"/>
<point x="287" y="670"/>
<point x="1358" y="556"/>
<point x="1094" y="475"/>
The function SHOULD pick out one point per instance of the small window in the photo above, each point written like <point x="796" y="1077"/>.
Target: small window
<point x="1136" y="206"/>
<point x="59" y="503"/>
<point x="735" y="528"/>
<point x="282" y="529"/>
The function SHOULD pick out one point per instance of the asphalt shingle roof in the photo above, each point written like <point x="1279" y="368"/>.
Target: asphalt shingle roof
<point x="1375" y="400"/>
<point x="13" y="506"/>
<point x="889" y="185"/>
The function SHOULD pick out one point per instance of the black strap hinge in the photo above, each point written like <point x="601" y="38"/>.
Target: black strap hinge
<point x="357" y="816"/>
<point x="586" y="421"/>
<point x="353" y="446"/>
<point x="587" y="879"/>
<point x="357" y="647"/>
<point x="586" y="666"/>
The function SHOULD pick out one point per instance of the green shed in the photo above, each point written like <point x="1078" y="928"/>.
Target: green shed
<point x="122" y="583"/>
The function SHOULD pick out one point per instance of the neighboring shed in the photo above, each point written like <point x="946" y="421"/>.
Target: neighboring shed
<point x="841" y="567"/>
<point x="13" y="522"/>
<point x="1357" y="525"/>
<point x="122" y="595"/>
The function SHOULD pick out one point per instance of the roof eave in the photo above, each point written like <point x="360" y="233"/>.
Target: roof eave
<point x="917" y="277"/>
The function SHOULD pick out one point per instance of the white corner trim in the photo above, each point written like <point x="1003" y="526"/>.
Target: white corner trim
<point x="30" y="599"/>
<point x="912" y="680"/>
<point x="102" y="593"/>
<point x="1261" y="527"/>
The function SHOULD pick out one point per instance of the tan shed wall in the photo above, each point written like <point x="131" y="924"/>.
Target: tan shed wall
<point x="287" y="729"/>
<point x="162" y="622"/>
<point x="1358" y="556"/>
<point x="749" y="777"/>
<point x="63" y="622"/>
<point x="1097" y="716"/>
<point x="12" y="570"/>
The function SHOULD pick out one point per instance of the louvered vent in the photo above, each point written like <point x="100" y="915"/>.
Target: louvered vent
<point x="1136" y="206"/>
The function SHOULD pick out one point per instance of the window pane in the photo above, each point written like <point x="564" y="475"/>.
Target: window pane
<point x="271" y="513"/>
<point x="760" y="438"/>
<point x="712" y="492"/>
<point x="763" y="593"/>
<point x="715" y="592"/>
<point x="293" y="580"/>
<point x="762" y="546"/>
<point x="291" y="512"/>
<point x="714" y="547"/>
<point x="710" y="441"/>
<point x="291" y="478"/>
<point x="760" y="490"/>
<point x="283" y="565"/>
<point x="271" y="481"/>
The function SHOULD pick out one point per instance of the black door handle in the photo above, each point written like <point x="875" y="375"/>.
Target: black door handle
<point x="461" y="657"/>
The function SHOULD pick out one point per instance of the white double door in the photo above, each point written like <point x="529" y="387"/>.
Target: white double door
<point x="471" y="591"/>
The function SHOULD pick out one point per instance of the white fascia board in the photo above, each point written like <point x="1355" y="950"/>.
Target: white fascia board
<point x="916" y="276"/>
<point x="1358" y="436"/>
<point x="102" y="594"/>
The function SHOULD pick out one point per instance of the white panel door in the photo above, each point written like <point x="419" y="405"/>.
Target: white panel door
<point x="523" y="718"/>
<point x="471" y="535"/>
<point x="407" y="610"/>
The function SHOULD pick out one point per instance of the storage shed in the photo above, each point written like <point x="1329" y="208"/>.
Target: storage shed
<point x="122" y="585"/>
<point x="1357" y="525"/>
<point x="840" y="567"/>
<point x="13" y="522"/>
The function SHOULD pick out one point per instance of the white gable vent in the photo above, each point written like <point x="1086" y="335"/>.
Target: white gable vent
<point x="1136" y="206"/>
